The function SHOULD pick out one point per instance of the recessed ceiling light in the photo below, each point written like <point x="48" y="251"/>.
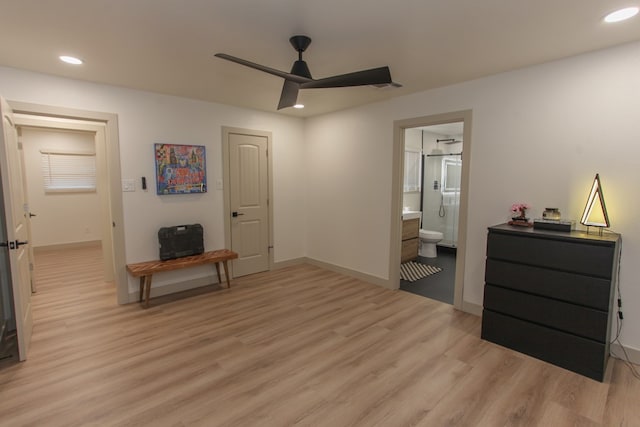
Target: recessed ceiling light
<point x="298" y="106"/>
<point x="621" y="15"/>
<point x="70" y="60"/>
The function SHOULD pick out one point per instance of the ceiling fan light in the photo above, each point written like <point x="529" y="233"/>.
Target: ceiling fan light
<point x="70" y="60"/>
<point x="621" y="15"/>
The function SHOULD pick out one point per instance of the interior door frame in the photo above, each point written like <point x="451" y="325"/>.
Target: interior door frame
<point x="226" y="131"/>
<point x="395" y="250"/>
<point x="96" y="129"/>
<point x="106" y="128"/>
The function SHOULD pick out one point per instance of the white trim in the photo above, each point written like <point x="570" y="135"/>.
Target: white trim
<point x="289" y="263"/>
<point x="634" y="353"/>
<point x="471" y="308"/>
<point x="181" y="286"/>
<point x="397" y="177"/>
<point x="105" y="126"/>
<point x="352" y="273"/>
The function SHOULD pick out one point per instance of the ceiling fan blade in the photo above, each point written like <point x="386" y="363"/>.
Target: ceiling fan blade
<point x="286" y="76"/>
<point x="373" y="76"/>
<point x="289" y="96"/>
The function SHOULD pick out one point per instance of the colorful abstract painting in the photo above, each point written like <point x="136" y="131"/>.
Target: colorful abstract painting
<point x="180" y="169"/>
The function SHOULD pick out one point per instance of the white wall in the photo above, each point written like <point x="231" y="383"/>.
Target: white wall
<point x="539" y="135"/>
<point x="60" y="217"/>
<point x="349" y="186"/>
<point x="146" y="118"/>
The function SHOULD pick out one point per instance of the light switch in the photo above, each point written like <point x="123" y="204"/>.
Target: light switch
<point x="128" y="185"/>
<point x="219" y="184"/>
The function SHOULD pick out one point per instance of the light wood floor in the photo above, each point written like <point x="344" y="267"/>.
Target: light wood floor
<point x="297" y="346"/>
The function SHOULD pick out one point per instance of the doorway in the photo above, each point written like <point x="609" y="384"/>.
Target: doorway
<point x="432" y="171"/>
<point x="63" y="168"/>
<point x="104" y="126"/>
<point x="400" y="127"/>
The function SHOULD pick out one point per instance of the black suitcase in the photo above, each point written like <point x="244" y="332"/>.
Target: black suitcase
<point x="180" y="241"/>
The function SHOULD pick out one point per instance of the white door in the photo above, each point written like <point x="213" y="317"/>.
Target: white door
<point x="249" y="198"/>
<point x="25" y="192"/>
<point x="17" y="233"/>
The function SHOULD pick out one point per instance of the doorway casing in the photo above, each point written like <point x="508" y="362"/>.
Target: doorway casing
<point x="106" y="128"/>
<point x="399" y="127"/>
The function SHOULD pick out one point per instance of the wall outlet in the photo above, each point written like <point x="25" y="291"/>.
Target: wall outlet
<point x="128" y="185"/>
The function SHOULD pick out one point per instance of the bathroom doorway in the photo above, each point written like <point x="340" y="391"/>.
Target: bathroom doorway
<point x="436" y="152"/>
<point x="442" y="144"/>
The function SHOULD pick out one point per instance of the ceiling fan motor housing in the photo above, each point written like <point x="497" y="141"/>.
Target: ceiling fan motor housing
<point x="301" y="69"/>
<point x="300" y="43"/>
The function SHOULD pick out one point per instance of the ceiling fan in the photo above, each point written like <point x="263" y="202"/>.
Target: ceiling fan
<point x="300" y="76"/>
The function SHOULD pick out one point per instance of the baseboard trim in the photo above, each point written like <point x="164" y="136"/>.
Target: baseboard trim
<point x="467" y="307"/>
<point x="351" y="273"/>
<point x="178" y="287"/>
<point x="471" y="308"/>
<point x="72" y="245"/>
<point x="288" y="263"/>
<point x="633" y="353"/>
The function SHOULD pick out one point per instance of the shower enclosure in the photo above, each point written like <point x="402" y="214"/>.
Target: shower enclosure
<point x="441" y="195"/>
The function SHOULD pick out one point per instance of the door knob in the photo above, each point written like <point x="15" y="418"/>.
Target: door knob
<point x="235" y="214"/>
<point x="31" y="215"/>
<point x="19" y="243"/>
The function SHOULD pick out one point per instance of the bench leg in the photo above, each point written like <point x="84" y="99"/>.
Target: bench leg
<point x="141" y="288"/>
<point x="226" y="273"/>
<point x="218" y="271"/>
<point x="147" y="284"/>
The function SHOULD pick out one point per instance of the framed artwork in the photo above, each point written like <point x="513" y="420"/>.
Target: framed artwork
<point x="180" y="169"/>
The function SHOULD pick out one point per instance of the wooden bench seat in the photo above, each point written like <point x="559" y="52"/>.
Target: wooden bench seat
<point x="145" y="270"/>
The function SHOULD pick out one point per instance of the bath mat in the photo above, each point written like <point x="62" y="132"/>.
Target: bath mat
<point x="412" y="271"/>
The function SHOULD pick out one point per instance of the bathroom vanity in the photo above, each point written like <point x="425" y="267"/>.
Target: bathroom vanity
<point x="549" y="294"/>
<point x="410" y="236"/>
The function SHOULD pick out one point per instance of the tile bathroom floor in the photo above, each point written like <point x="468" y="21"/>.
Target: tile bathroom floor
<point x="438" y="286"/>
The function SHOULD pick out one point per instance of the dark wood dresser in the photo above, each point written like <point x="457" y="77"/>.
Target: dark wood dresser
<point x="549" y="294"/>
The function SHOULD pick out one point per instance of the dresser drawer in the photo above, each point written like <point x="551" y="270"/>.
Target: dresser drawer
<point x="583" y="321"/>
<point x="577" y="354"/>
<point x="592" y="258"/>
<point x="579" y="289"/>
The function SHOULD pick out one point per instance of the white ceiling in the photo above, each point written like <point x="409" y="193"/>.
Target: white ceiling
<point x="167" y="46"/>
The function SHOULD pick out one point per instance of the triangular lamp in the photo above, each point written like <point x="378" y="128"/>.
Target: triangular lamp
<point x="595" y="212"/>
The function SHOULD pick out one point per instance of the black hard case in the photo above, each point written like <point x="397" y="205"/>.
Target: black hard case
<point x="180" y="241"/>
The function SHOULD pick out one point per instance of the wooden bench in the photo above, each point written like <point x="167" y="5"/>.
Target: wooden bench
<point x="144" y="270"/>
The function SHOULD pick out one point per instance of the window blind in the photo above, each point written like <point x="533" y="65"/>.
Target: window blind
<point x="69" y="172"/>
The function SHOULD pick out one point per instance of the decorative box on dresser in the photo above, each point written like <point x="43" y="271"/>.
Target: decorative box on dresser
<point x="410" y="239"/>
<point x="549" y="294"/>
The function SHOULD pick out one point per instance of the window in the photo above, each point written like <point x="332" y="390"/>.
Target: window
<point x="412" y="171"/>
<point x="68" y="172"/>
<point x="451" y="172"/>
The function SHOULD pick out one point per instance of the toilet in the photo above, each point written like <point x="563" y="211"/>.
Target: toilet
<point x="428" y="240"/>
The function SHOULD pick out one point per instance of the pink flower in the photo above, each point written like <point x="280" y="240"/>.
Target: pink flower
<point x="519" y="207"/>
